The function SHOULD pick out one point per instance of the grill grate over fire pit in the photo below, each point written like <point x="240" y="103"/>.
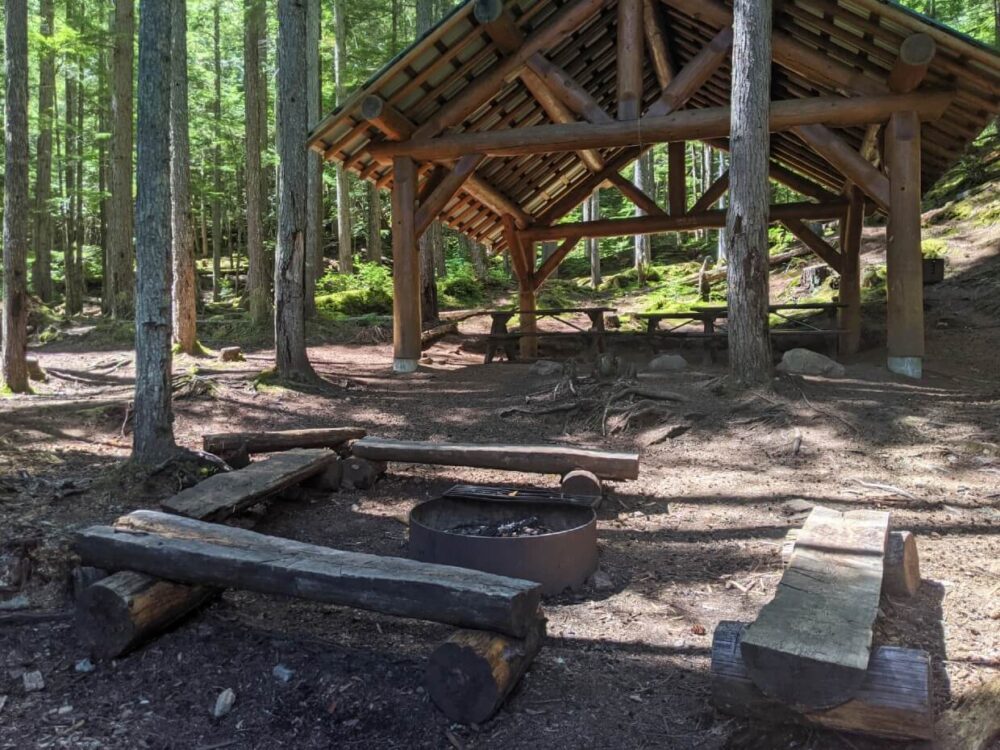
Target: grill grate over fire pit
<point x="548" y="542"/>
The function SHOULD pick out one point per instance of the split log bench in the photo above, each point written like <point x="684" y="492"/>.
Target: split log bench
<point x="236" y="447"/>
<point x="500" y="338"/>
<point x="808" y="657"/>
<point x="538" y="459"/>
<point x="469" y="675"/>
<point x="119" y="612"/>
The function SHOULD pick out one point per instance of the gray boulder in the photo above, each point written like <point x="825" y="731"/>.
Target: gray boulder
<point x="546" y="368"/>
<point x="668" y="363"/>
<point x="808" y="362"/>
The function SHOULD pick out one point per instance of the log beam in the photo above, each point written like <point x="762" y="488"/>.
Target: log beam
<point x="814" y="242"/>
<point x="849" y="316"/>
<point x="904" y="261"/>
<point x="692" y="124"/>
<point x="563" y="85"/>
<point x="629" y="59"/>
<point x="785" y="176"/>
<point x="715" y="219"/>
<point x="915" y="56"/>
<point x="634" y="194"/>
<point x="405" y="268"/>
<point x="693" y="75"/>
<point x="393" y="123"/>
<point x="655" y="28"/>
<point x="558" y="112"/>
<point x="552" y="262"/>
<point x="445" y="191"/>
<point x="712" y="194"/>
<point x="855" y="167"/>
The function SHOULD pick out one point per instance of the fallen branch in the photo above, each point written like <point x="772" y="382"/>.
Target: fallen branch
<point x="887" y="488"/>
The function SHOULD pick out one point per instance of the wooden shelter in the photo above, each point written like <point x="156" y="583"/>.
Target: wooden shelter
<point x="500" y="120"/>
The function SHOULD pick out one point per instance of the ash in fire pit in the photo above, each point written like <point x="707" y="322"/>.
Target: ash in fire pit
<point x="554" y="543"/>
<point x="530" y="526"/>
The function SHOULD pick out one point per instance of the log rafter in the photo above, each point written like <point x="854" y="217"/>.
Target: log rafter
<point x="814" y="242"/>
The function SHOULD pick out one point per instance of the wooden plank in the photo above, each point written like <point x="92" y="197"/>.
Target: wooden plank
<point x="195" y="552"/>
<point x="280" y="440"/>
<point x="223" y="494"/>
<point x="894" y="698"/>
<point x="810" y="645"/>
<point x="540" y="459"/>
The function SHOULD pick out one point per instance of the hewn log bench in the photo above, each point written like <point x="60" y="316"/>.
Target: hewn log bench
<point x="468" y="676"/>
<point x="539" y="459"/>
<point x="501" y="338"/>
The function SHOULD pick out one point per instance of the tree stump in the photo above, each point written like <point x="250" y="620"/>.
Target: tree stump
<point x="360" y="473"/>
<point x="470" y="674"/>
<point x="35" y="371"/>
<point x="231" y="354"/>
<point x="117" y="613"/>
<point x="582" y="483"/>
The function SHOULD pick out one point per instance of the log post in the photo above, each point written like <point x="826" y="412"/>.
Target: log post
<point x="470" y="674"/>
<point x="850" y="272"/>
<point x="405" y="268"/>
<point x="677" y="190"/>
<point x="117" y="613"/>
<point x="629" y="59"/>
<point x="523" y="258"/>
<point x="904" y="262"/>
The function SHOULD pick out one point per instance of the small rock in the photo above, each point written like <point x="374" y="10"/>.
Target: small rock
<point x="33" y="681"/>
<point x="224" y="703"/>
<point x="63" y="710"/>
<point x="231" y="354"/>
<point x="3" y="701"/>
<point x="546" y="368"/>
<point x="601" y="581"/>
<point x="283" y="673"/>
<point x="797" y="506"/>
<point x="808" y="362"/>
<point x="427" y="360"/>
<point x="84" y="666"/>
<point x="668" y="363"/>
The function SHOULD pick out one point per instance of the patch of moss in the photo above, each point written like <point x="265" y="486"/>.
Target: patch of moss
<point x="933" y="248"/>
<point x="357" y="301"/>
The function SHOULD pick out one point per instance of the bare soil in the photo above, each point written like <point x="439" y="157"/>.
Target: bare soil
<point x="694" y="541"/>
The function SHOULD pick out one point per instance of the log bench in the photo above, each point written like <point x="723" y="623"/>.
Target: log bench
<point x="500" y="338"/>
<point x="468" y="676"/>
<point x="539" y="459"/>
<point x="236" y="447"/>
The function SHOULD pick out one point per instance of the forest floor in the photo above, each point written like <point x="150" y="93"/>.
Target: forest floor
<point x="694" y="541"/>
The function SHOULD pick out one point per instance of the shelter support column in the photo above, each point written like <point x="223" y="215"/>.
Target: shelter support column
<point x="405" y="268"/>
<point x="676" y="177"/>
<point x="850" y="271"/>
<point x="904" y="262"/>
<point x="522" y="257"/>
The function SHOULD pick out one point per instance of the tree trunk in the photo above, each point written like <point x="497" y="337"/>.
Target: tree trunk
<point x="374" y="223"/>
<point x="548" y="248"/>
<point x="184" y="283"/>
<point x="255" y="93"/>
<point x="643" y="181"/>
<point x="592" y="212"/>
<point x="437" y="243"/>
<point x="216" y="159"/>
<point x="120" y="281"/>
<point x="41" y="276"/>
<point x="103" y="126"/>
<point x="430" y="240"/>
<point x="154" y="433"/>
<point x="344" y="249"/>
<point x="314" y="190"/>
<point x="480" y="261"/>
<point x="78" y="275"/>
<point x="289" y="321"/>
<point x="71" y="287"/>
<point x="747" y="218"/>
<point x="15" y="209"/>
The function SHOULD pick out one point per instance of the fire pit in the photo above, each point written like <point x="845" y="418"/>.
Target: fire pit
<point x="548" y="542"/>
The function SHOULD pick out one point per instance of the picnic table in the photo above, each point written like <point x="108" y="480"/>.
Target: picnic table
<point x="501" y="338"/>
<point x="708" y="315"/>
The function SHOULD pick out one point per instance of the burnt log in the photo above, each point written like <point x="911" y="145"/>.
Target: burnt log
<point x="470" y="674"/>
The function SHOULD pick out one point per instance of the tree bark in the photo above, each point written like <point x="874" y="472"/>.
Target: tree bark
<point x="480" y="261"/>
<point x="314" y="189"/>
<point x="747" y="219"/>
<point x="374" y="223"/>
<point x="120" y="281"/>
<point x="643" y="181"/>
<point x="592" y="212"/>
<point x="71" y="286"/>
<point x="41" y="276"/>
<point x="15" y="208"/>
<point x="289" y="321"/>
<point x="254" y="104"/>
<point x="216" y="158"/>
<point x="154" y="434"/>
<point x="344" y="249"/>
<point x="184" y="283"/>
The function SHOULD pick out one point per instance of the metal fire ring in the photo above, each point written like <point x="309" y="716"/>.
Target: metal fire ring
<point x="561" y="559"/>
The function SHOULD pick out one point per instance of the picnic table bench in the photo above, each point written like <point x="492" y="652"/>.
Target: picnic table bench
<point x="712" y="335"/>
<point x="501" y="338"/>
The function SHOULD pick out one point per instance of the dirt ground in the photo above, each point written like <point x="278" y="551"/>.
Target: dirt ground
<point x="694" y="541"/>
